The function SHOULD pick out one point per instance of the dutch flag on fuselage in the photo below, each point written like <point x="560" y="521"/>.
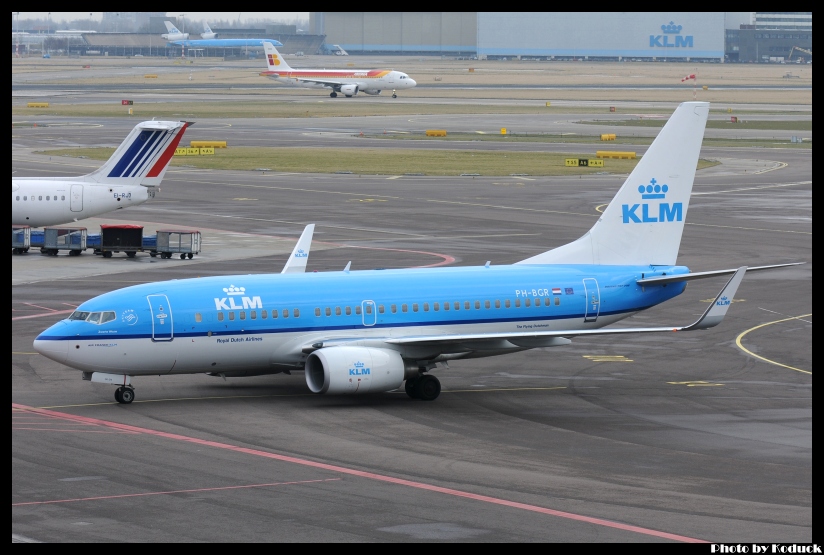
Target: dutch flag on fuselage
<point x="143" y="157"/>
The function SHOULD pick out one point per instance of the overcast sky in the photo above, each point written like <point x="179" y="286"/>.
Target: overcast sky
<point x="207" y="16"/>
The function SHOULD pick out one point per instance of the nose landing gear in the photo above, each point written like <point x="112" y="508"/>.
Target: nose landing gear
<point x="393" y="94"/>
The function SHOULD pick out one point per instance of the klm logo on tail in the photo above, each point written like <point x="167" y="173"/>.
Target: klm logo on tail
<point x="665" y="212"/>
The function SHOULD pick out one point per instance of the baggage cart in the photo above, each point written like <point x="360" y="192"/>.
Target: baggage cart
<point x="185" y="242"/>
<point x="56" y="239"/>
<point x="20" y="239"/>
<point x="120" y="238"/>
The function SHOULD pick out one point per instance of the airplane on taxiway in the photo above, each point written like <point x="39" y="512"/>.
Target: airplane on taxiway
<point x="173" y="33"/>
<point x="347" y="82"/>
<point x="356" y="332"/>
<point x="130" y="177"/>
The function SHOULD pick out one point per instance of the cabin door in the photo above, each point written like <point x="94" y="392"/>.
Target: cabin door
<point x="369" y="313"/>
<point x="593" y="300"/>
<point x="161" y="318"/>
<point x="76" y="198"/>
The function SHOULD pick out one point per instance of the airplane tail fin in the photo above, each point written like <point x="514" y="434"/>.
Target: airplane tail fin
<point x="143" y="157"/>
<point x="170" y="27"/>
<point x="274" y="61"/>
<point x="645" y="220"/>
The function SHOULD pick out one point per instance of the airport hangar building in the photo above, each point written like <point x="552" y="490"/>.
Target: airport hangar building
<point x="613" y="36"/>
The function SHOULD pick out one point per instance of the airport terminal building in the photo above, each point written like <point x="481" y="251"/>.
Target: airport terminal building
<point x="614" y="36"/>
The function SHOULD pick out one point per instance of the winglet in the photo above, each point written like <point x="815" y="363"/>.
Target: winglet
<point x="348" y="265"/>
<point x="300" y="254"/>
<point x="718" y="309"/>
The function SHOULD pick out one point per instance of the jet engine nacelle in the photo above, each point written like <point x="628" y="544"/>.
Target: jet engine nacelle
<point x="354" y="370"/>
<point x="371" y="91"/>
<point x="349" y="90"/>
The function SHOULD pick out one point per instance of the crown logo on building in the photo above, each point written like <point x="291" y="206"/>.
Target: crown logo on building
<point x="671" y="28"/>
<point x="653" y="190"/>
<point x="232" y="290"/>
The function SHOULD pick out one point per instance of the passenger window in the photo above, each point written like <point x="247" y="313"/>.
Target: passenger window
<point x="48" y="197"/>
<point x="457" y="305"/>
<point x="547" y="301"/>
<point x="328" y="311"/>
<point x="486" y="304"/>
<point x="198" y="317"/>
<point x="497" y="303"/>
<point x="242" y="314"/>
<point x="263" y="314"/>
<point x="62" y="197"/>
<point x="436" y="307"/>
<point x="357" y="310"/>
<point x="527" y="303"/>
<point x="426" y="307"/>
<point x="477" y="305"/>
<point x="317" y="312"/>
<point x="348" y="310"/>
<point x="274" y="313"/>
<point x="296" y="313"/>
<point x="507" y="304"/>
<point x="394" y="308"/>
<point x="219" y="316"/>
<point x="446" y="305"/>
<point x="285" y="312"/>
<point x="557" y="301"/>
<point x="369" y="309"/>
<point x="231" y="316"/>
<point x="254" y="315"/>
<point x="404" y="308"/>
<point x="517" y="303"/>
<point x="337" y="311"/>
<point x="414" y="307"/>
<point x="380" y="309"/>
<point x="40" y="197"/>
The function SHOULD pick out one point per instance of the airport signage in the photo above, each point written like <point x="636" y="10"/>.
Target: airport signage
<point x="671" y="38"/>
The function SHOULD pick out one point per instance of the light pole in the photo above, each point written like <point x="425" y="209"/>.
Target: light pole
<point x="17" y="42"/>
<point x="48" y="32"/>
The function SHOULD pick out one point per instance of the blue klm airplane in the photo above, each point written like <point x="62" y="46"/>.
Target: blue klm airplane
<point x="356" y="332"/>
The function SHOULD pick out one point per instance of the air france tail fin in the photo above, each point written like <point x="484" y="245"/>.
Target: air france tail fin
<point x="644" y="222"/>
<point x="274" y="61"/>
<point x="142" y="159"/>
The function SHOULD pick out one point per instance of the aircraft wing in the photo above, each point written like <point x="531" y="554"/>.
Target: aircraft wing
<point x="325" y="82"/>
<point x="661" y="280"/>
<point x="711" y="317"/>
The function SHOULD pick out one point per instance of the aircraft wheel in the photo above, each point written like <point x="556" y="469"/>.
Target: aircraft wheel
<point x="333" y="94"/>
<point x="410" y="387"/>
<point x="394" y="96"/>
<point x="117" y="396"/>
<point x="428" y="387"/>
<point x="127" y="395"/>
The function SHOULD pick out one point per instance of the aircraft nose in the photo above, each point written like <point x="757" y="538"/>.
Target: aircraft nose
<point x="412" y="82"/>
<point x="52" y="347"/>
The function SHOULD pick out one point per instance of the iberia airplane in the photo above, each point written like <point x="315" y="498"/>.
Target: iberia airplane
<point x="348" y="82"/>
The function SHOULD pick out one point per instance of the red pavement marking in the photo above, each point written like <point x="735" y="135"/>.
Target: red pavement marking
<point x="362" y="474"/>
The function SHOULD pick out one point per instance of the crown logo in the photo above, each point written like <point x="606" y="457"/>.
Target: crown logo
<point x="359" y="365"/>
<point x="671" y="28"/>
<point x="232" y="290"/>
<point x="653" y="190"/>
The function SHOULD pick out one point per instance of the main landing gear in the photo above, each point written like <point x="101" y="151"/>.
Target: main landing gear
<point x="424" y="387"/>
<point x="333" y="94"/>
<point x="124" y="395"/>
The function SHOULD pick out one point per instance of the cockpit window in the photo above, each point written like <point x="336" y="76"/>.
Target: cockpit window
<point x="93" y="317"/>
